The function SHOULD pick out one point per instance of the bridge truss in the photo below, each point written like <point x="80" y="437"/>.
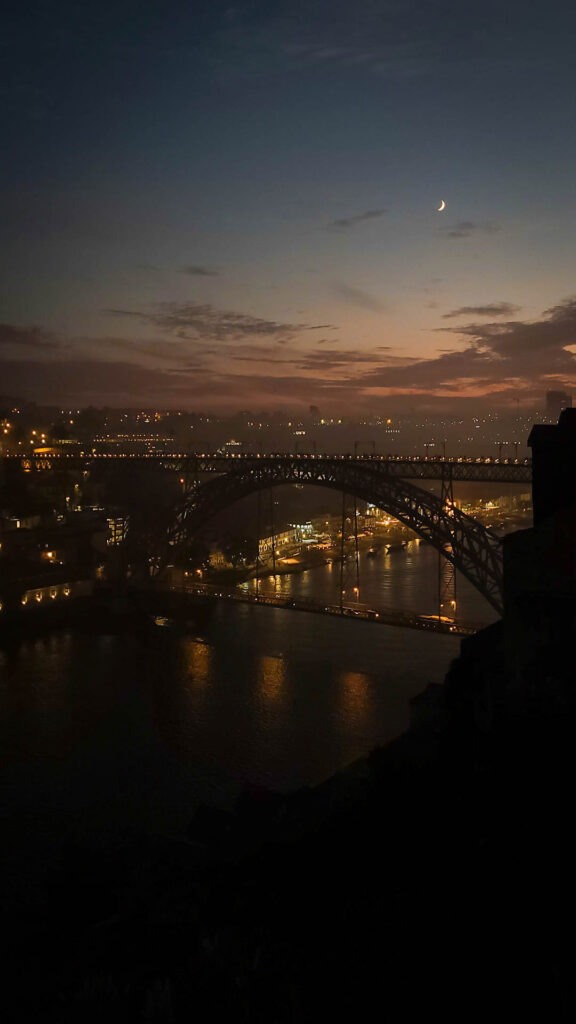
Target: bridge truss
<point x="473" y="549"/>
<point x="506" y="471"/>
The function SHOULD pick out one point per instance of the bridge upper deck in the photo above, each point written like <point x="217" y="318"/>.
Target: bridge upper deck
<point x="513" y="471"/>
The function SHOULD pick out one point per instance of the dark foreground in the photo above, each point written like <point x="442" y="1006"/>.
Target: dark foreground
<point x="434" y="880"/>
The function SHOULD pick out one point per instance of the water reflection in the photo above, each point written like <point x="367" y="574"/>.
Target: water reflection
<point x="355" y="698"/>
<point x="406" y="579"/>
<point x="271" y="678"/>
<point x="182" y="720"/>
<point x="198" y="657"/>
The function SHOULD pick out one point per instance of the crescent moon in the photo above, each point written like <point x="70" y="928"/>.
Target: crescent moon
<point x="442" y="206"/>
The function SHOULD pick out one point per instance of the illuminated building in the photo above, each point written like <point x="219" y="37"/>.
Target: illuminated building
<point x="118" y="525"/>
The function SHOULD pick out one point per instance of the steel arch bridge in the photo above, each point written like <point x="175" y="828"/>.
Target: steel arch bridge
<point x="474" y="550"/>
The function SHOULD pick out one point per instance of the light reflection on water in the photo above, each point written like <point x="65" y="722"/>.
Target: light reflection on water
<point x="403" y="579"/>
<point x="355" y="697"/>
<point x="128" y="732"/>
<point x="198" y="655"/>
<point x="271" y="677"/>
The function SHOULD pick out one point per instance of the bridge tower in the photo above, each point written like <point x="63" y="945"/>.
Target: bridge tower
<point x="258" y="522"/>
<point x="446" y="568"/>
<point x="349" y="561"/>
<point x="273" y="533"/>
<point x="272" y="527"/>
<point x="190" y="479"/>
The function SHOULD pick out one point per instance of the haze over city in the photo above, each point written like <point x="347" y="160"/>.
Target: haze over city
<point x="218" y="206"/>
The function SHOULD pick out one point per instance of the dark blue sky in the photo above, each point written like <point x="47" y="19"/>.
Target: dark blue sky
<point x="222" y="205"/>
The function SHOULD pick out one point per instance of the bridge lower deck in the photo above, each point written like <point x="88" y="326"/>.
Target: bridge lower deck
<point x="381" y="616"/>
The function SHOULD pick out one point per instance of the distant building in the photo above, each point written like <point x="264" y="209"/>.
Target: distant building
<point x="512" y="502"/>
<point x="231" y="447"/>
<point x="45" y="559"/>
<point x="118" y="525"/>
<point x="217" y="558"/>
<point x="555" y="402"/>
<point x="283" y="541"/>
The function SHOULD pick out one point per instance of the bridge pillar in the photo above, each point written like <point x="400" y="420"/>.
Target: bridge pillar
<point x="273" y="533"/>
<point x="190" y="477"/>
<point x="446" y="568"/>
<point x="349" y="563"/>
<point x="258" y="531"/>
<point x="446" y="584"/>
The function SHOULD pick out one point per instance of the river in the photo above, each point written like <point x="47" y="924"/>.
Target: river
<point x="108" y="735"/>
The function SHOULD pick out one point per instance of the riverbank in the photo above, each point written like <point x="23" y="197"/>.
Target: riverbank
<point x="106" y="613"/>
<point x="311" y="559"/>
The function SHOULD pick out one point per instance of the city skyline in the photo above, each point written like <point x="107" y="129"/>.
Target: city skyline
<point x="237" y="207"/>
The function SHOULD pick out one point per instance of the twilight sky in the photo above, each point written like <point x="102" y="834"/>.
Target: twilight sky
<point x="234" y="205"/>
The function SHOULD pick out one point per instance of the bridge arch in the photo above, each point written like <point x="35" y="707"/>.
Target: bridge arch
<point x="474" y="550"/>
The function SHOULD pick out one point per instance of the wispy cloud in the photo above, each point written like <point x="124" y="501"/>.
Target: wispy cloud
<point x="32" y="337"/>
<point x="147" y="267"/>
<point x="154" y="351"/>
<point x="191" y="320"/>
<point x="331" y="359"/>
<point x="391" y="39"/>
<point x="198" y="270"/>
<point x="490" y="309"/>
<point x="357" y="297"/>
<point x="542" y="340"/>
<point x="515" y="355"/>
<point x="345" y="223"/>
<point x="494" y="358"/>
<point x="466" y="228"/>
